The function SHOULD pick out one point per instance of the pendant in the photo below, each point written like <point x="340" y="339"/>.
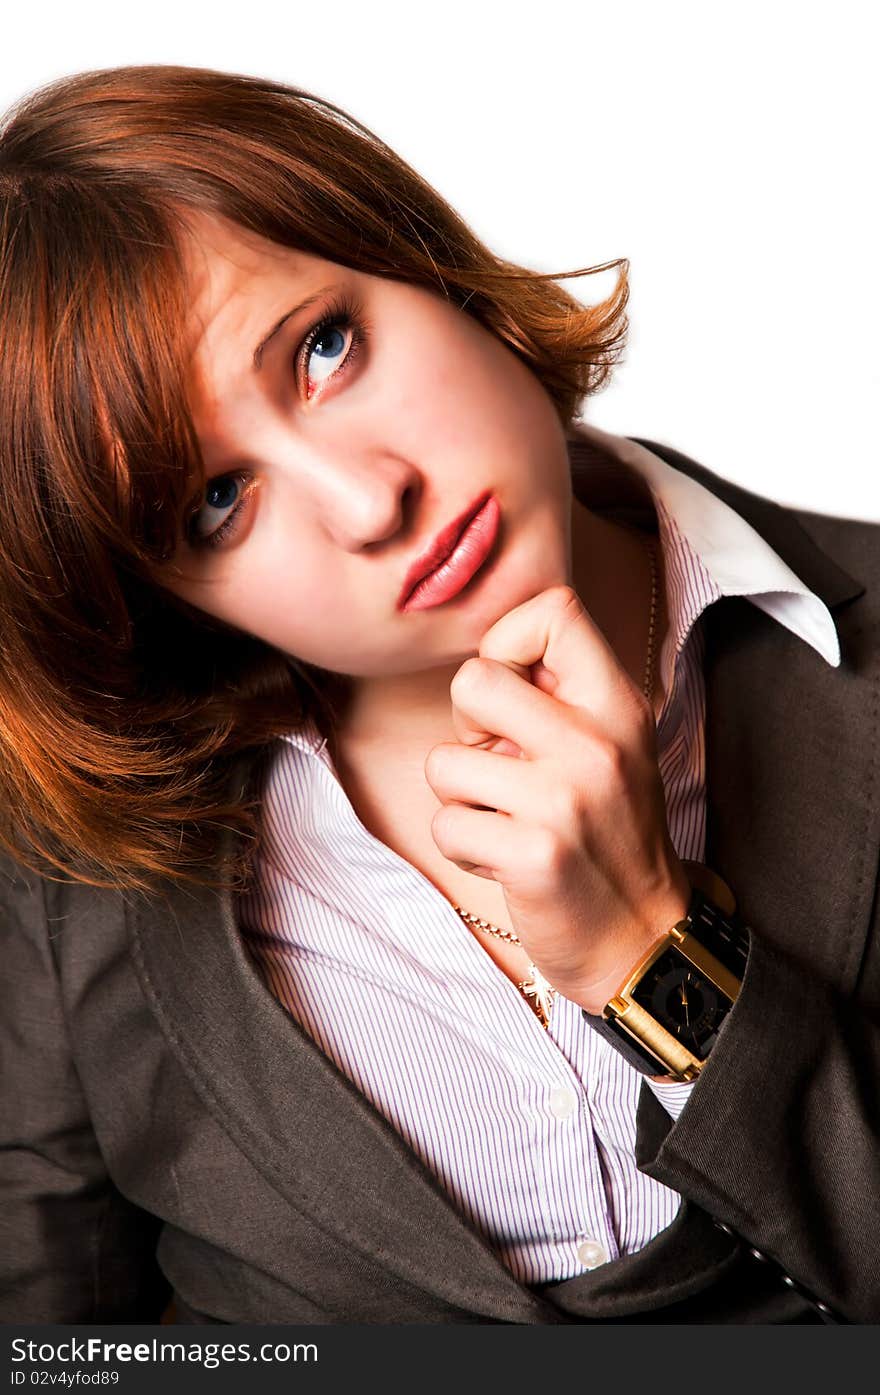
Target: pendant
<point x="539" y="994"/>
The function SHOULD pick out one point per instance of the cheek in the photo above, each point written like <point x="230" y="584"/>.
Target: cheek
<point x="417" y="403"/>
<point x="279" y="585"/>
<point x="296" y="607"/>
<point x="456" y="387"/>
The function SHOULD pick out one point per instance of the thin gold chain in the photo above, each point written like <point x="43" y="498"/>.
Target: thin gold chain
<point x="538" y="993"/>
<point x="487" y="925"/>
<point x="648" y="684"/>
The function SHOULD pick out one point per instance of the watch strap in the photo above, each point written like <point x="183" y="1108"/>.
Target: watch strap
<point x="626" y="1046"/>
<point x="725" y="936"/>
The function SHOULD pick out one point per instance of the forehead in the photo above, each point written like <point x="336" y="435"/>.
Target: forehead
<point x="230" y="269"/>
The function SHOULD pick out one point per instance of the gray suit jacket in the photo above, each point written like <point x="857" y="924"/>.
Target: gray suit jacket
<point x="167" y="1127"/>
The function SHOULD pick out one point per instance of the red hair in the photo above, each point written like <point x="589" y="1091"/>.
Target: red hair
<point x="120" y="706"/>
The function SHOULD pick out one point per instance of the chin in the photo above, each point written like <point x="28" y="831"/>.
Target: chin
<point x="529" y="576"/>
<point x="512" y="594"/>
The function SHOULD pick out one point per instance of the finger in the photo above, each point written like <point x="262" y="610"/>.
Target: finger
<point x="479" y="778"/>
<point x="552" y="635"/>
<point x="475" y="838"/>
<point x="501" y="745"/>
<point x="490" y="700"/>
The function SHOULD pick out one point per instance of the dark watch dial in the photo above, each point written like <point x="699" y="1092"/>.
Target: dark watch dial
<point x="684" y="1001"/>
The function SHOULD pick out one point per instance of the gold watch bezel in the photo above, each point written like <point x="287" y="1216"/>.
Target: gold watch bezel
<point x="638" y="1023"/>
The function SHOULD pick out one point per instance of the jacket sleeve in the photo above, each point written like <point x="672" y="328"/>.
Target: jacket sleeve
<point x="72" y="1248"/>
<point x="780" y="1138"/>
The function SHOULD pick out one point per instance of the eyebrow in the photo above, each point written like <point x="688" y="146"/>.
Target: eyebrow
<point x="279" y="324"/>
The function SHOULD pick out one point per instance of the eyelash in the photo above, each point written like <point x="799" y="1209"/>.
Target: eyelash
<point x="340" y="313"/>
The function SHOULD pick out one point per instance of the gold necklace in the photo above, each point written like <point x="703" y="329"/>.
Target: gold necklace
<point x="538" y="993"/>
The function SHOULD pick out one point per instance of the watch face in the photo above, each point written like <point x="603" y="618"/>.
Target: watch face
<point x="684" y="1001"/>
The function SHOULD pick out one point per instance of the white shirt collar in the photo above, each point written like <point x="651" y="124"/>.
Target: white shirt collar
<point x="734" y="555"/>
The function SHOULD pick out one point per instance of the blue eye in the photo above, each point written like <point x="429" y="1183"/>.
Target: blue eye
<point x="331" y="346"/>
<point x="223" y="493"/>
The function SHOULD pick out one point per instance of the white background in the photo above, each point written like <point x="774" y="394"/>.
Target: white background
<point x="728" y="151"/>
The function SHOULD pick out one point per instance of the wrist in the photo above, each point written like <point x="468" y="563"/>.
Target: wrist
<point x="593" y="996"/>
<point x="623" y="955"/>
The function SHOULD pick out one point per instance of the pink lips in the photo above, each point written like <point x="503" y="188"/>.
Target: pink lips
<point x="456" y="554"/>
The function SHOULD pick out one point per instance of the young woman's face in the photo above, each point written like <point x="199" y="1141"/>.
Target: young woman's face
<point x="336" y="459"/>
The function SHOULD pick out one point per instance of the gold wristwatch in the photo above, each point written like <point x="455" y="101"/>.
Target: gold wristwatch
<point x="666" y="1017"/>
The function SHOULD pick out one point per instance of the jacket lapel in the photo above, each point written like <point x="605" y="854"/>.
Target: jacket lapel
<point x="791" y="822"/>
<point x="784" y="740"/>
<point x="311" y="1134"/>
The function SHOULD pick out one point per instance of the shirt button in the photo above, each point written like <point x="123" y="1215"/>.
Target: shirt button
<point x="563" y="1102"/>
<point x="591" y="1253"/>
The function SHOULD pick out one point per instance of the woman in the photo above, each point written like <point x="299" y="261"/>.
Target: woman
<point x="381" y="947"/>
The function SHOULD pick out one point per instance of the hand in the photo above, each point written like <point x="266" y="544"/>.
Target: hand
<point x="553" y="790"/>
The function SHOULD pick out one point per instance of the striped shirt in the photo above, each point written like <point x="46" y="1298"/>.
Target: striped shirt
<point x="530" y="1131"/>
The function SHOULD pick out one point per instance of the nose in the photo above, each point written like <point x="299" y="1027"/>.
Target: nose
<point x="364" y="498"/>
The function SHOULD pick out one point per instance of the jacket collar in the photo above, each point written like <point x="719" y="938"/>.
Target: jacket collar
<point x="785" y="740"/>
<point x="771" y="757"/>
